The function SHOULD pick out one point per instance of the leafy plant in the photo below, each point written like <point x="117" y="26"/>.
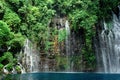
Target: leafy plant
<point x="4" y="33"/>
<point x="61" y="35"/>
<point x="12" y="19"/>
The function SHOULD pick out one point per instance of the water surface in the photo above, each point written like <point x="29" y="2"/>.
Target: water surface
<point x="63" y="76"/>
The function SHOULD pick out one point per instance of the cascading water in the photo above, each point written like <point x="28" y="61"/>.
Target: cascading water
<point x="67" y="38"/>
<point x="68" y="51"/>
<point x="31" y="58"/>
<point x="108" y="47"/>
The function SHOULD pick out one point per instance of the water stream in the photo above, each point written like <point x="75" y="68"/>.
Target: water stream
<point x="31" y="58"/>
<point x="68" y="46"/>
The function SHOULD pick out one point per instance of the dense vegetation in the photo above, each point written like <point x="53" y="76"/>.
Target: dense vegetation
<point x="30" y="18"/>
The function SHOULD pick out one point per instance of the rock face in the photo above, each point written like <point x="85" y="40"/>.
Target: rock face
<point x="64" y="53"/>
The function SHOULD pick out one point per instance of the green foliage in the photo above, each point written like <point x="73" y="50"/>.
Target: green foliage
<point x="7" y="59"/>
<point x="17" y="41"/>
<point x="7" y="56"/>
<point x="61" y="35"/>
<point x="18" y="69"/>
<point x="62" y="63"/>
<point x="23" y="27"/>
<point x="4" y="33"/>
<point x="9" y="66"/>
<point x="83" y="16"/>
<point x="89" y="58"/>
<point x="10" y="40"/>
<point x="12" y="19"/>
<point x="106" y="8"/>
<point x="77" y="60"/>
<point x="2" y="8"/>
<point x="13" y="1"/>
<point x="1" y="66"/>
<point x="23" y="10"/>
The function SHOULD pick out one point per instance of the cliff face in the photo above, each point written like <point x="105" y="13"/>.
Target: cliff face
<point x="65" y="51"/>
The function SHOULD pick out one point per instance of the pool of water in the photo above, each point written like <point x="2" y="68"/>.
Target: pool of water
<point x="63" y="76"/>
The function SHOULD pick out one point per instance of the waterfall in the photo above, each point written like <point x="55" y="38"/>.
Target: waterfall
<point x="67" y="38"/>
<point x="31" y="58"/>
<point x="68" y="50"/>
<point x="108" y="47"/>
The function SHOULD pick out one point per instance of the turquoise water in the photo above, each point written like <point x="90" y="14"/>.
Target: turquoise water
<point x="63" y="76"/>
